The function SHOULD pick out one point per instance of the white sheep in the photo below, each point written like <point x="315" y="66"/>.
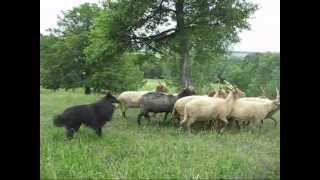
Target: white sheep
<point x="207" y="109"/>
<point x="178" y="109"/>
<point x="130" y="99"/>
<point x="254" y="110"/>
<point x="267" y="101"/>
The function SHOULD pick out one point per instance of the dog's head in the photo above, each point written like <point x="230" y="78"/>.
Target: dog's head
<point x="109" y="97"/>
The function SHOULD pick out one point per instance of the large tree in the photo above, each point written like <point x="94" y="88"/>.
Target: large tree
<point x="66" y="53"/>
<point x="178" y="26"/>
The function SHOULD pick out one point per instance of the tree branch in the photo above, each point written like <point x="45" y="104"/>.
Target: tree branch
<point x="160" y="35"/>
<point x="152" y="14"/>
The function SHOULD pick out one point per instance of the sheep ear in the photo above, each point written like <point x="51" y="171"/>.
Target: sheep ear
<point x="278" y="94"/>
<point x="229" y="84"/>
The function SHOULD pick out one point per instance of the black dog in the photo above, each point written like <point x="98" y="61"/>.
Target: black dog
<point x="93" y="115"/>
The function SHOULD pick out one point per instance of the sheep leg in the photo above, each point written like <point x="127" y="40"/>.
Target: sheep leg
<point x="260" y="126"/>
<point x="124" y="115"/>
<point x="165" y="117"/>
<point x="210" y="124"/>
<point x="175" y="120"/>
<point x="225" y="123"/>
<point x="154" y="115"/>
<point x="274" y="120"/>
<point x="215" y="124"/>
<point x="178" y="120"/>
<point x="123" y="111"/>
<point x="246" y="124"/>
<point x="238" y="125"/>
<point x="230" y="123"/>
<point x="139" y="118"/>
<point x="188" y="125"/>
<point x="146" y="116"/>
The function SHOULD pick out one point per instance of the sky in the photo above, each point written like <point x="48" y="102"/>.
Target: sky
<point x="263" y="36"/>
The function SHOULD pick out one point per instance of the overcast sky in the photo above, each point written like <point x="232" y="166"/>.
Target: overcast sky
<point x="263" y="36"/>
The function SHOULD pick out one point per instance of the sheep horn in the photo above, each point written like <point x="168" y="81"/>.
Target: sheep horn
<point x="231" y="86"/>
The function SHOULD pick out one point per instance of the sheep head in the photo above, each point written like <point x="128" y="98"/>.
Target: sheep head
<point x="211" y="93"/>
<point x="161" y="87"/>
<point x="239" y="93"/>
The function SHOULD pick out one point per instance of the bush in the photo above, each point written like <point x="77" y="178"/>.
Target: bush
<point x="119" y="76"/>
<point x="256" y="71"/>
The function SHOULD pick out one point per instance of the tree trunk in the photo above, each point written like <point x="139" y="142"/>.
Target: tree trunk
<point x="185" y="68"/>
<point x="87" y="90"/>
<point x="185" y="75"/>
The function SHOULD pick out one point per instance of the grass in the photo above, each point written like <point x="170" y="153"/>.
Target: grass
<point x="127" y="151"/>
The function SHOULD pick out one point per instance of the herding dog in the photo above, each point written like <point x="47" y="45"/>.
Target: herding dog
<point x="93" y="115"/>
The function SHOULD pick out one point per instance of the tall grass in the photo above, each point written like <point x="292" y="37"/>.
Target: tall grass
<point x="127" y="151"/>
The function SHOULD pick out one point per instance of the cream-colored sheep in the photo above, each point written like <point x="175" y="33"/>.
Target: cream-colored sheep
<point x="130" y="99"/>
<point x="206" y="109"/>
<point x="268" y="101"/>
<point x="178" y="109"/>
<point x="254" y="110"/>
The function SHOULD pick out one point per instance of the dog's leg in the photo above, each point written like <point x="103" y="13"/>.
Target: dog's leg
<point x="99" y="131"/>
<point x="69" y="133"/>
<point x="71" y="130"/>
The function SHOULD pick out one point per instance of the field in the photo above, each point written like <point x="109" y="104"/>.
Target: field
<point x="127" y="151"/>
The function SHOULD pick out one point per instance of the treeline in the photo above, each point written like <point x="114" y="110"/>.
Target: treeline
<point x="76" y="55"/>
<point x="257" y="74"/>
<point x="95" y="47"/>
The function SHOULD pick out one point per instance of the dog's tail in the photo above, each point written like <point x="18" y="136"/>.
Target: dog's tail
<point x="58" y="121"/>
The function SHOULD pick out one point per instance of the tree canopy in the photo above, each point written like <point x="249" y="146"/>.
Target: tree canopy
<point x="115" y="44"/>
<point x="177" y="25"/>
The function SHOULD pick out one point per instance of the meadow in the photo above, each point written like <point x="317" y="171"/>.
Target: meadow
<point x="152" y="151"/>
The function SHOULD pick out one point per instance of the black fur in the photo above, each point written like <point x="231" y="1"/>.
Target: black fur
<point x="93" y="115"/>
<point x="157" y="102"/>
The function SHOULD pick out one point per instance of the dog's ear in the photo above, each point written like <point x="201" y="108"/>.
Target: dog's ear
<point x="108" y="94"/>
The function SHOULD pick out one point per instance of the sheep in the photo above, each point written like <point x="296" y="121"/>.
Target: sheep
<point x="159" y="102"/>
<point x="178" y="109"/>
<point x="256" y="111"/>
<point x="93" y="115"/>
<point x="206" y="109"/>
<point x="220" y="94"/>
<point x="161" y="88"/>
<point x="211" y="93"/>
<point x="131" y="99"/>
<point x="266" y="100"/>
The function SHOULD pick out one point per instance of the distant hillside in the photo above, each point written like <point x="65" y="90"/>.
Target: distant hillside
<point x="243" y="53"/>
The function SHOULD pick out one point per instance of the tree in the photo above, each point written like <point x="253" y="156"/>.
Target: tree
<point x="114" y="67"/>
<point x="50" y="72"/>
<point x="177" y="26"/>
<point x="255" y="72"/>
<point x="68" y="53"/>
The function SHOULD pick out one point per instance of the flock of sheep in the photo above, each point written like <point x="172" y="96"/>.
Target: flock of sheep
<point x="220" y="108"/>
<point x="187" y="108"/>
